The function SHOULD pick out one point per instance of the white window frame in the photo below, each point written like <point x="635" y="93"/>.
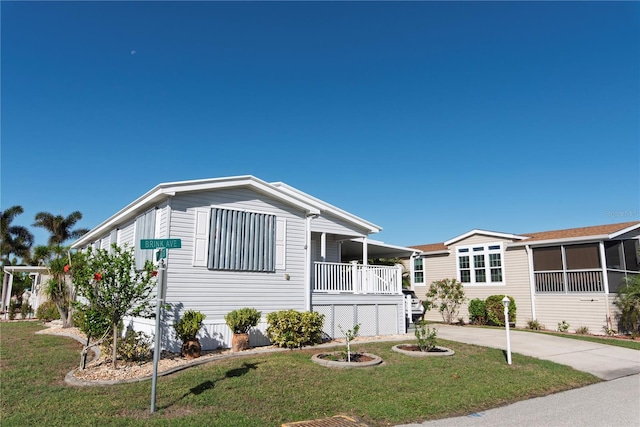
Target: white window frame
<point x="484" y="249"/>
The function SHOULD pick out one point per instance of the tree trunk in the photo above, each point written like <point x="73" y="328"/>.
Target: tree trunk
<point x="114" y="354"/>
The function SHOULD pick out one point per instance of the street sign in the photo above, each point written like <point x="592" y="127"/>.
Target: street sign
<point x="160" y="243"/>
<point x="161" y="254"/>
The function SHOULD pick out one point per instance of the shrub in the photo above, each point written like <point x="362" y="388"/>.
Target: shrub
<point x="628" y="301"/>
<point x="292" y="329"/>
<point x="563" y="326"/>
<point x="48" y="311"/>
<point x="242" y="320"/>
<point x="189" y="325"/>
<point x="582" y="330"/>
<point x="447" y="295"/>
<point x="534" y="325"/>
<point x="25" y="309"/>
<point x="13" y="305"/>
<point x="495" y="310"/>
<point x="134" y="347"/>
<point x="477" y="311"/>
<point x="426" y="336"/>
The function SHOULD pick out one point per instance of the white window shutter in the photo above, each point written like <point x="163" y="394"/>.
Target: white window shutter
<point x="281" y="243"/>
<point x="201" y="238"/>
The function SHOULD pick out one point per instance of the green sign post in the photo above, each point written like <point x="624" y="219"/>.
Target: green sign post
<point x="161" y="245"/>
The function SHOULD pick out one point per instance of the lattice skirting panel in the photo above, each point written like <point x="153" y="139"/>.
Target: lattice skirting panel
<point x="374" y="319"/>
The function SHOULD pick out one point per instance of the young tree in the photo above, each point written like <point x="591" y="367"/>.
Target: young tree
<point x="59" y="287"/>
<point x="59" y="227"/>
<point x="113" y="288"/>
<point x="447" y="295"/>
<point x="14" y="239"/>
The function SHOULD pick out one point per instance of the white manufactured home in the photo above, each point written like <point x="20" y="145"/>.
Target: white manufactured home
<point x="249" y="243"/>
<point x="570" y="275"/>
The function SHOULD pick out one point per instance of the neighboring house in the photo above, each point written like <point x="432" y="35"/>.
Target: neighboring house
<point x="249" y="243"/>
<point x="38" y="275"/>
<point x="570" y="275"/>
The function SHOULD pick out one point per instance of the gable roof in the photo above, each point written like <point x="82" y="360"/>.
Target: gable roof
<point x="484" y="233"/>
<point x="161" y="192"/>
<point x="597" y="232"/>
<point x="325" y="207"/>
<point x="432" y="247"/>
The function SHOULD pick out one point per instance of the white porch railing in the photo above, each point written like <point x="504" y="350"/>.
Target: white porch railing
<point x="586" y="281"/>
<point x="357" y="278"/>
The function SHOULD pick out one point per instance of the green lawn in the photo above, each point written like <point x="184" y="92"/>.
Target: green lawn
<point x="268" y="390"/>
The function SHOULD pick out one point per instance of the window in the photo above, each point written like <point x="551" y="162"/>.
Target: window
<point x="418" y="270"/>
<point x="145" y="229"/>
<point x="480" y="264"/>
<point x="242" y="241"/>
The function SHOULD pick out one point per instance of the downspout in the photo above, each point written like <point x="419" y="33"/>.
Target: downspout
<point x="605" y="282"/>
<point x="532" y="281"/>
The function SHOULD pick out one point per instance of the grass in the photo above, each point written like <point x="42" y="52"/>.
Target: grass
<point x="268" y="390"/>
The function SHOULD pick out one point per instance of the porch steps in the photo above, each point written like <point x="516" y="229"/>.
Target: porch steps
<point x="336" y="421"/>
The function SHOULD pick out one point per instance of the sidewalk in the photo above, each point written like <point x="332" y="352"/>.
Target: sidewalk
<point x="612" y="403"/>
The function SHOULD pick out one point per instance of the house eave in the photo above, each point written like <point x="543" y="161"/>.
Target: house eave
<point x="484" y="233"/>
<point x="442" y="252"/>
<point x="581" y="239"/>
<point x="164" y="191"/>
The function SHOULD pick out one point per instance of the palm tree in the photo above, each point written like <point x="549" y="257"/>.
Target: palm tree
<point x="15" y="239"/>
<point x="59" y="227"/>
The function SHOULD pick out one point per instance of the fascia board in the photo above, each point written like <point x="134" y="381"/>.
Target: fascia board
<point x="384" y="245"/>
<point x="324" y="206"/>
<point x="484" y="233"/>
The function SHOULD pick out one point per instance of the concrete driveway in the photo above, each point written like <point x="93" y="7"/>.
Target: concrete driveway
<point x="615" y="402"/>
<point x="603" y="361"/>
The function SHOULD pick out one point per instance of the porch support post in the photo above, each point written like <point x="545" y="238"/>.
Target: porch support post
<point x="365" y="256"/>
<point x="307" y="265"/>
<point x="532" y="281"/>
<point x="605" y="282"/>
<point x="7" y="284"/>
<point x="323" y="246"/>
<point x="365" y="250"/>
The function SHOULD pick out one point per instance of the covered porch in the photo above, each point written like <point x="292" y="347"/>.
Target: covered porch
<point x="353" y="273"/>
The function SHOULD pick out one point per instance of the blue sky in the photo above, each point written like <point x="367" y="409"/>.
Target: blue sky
<point x="428" y="119"/>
